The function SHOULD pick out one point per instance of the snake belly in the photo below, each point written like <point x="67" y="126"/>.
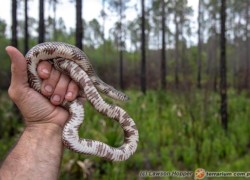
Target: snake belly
<point x="72" y="61"/>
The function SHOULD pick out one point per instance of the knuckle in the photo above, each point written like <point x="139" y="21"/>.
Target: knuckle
<point x="12" y="93"/>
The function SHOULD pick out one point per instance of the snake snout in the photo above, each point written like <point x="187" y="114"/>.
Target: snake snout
<point x="57" y="62"/>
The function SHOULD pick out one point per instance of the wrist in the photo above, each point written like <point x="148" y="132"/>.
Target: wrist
<point x="42" y="138"/>
<point x="38" y="151"/>
<point x="45" y="129"/>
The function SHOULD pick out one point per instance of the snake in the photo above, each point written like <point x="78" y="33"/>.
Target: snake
<point x="73" y="62"/>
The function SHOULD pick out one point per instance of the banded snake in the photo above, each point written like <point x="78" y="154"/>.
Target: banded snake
<point x="72" y="61"/>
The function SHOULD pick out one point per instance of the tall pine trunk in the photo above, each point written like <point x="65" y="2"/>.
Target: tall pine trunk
<point x="176" y="51"/>
<point x="163" y="51"/>
<point x="143" y="49"/>
<point x="223" y="70"/>
<point x="14" y="41"/>
<point x="26" y="30"/>
<point x="41" y="28"/>
<point x="214" y="58"/>
<point x="79" y="24"/>
<point x="247" y="45"/>
<point x="199" y="46"/>
<point x="121" y="48"/>
<point x="103" y="30"/>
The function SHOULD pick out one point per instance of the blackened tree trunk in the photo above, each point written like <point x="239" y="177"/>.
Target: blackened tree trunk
<point x="213" y="61"/>
<point x="79" y="24"/>
<point x="121" y="46"/>
<point x="41" y="30"/>
<point x="163" y="51"/>
<point x="143" y="50"/>
<point x="14" y="24"/>
<point x="223" y="72"/>
<point x="199" y="45"/>
<point x="247" y="45"/>
<point x="103" y="14"/>
<point x="26" y="31"/>
<point x="177" y="32"/>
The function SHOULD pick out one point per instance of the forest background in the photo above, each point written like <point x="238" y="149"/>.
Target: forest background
<point x="188" y="88"/>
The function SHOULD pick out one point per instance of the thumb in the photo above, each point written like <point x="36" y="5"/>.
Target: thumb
<point x="18" y="68"/>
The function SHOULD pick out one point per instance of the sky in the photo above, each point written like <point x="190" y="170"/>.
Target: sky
<point x="66" y="10"/>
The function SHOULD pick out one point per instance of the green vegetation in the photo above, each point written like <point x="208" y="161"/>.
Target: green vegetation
<point x="180" y="128"/>
<point x="177" y="132"/>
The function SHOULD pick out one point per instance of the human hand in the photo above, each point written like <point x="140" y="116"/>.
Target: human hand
<point x="35" y="108"/>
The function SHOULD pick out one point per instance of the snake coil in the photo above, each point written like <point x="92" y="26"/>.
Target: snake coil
<point x="72" y="61"/>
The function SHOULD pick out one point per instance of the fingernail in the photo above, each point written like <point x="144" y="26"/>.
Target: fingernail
<point x="48" y="88"/>
<point x="6" y="49"/>
<point x="69" y="94"/>
<point x="45" y="71"/>
<point x="56" y="98"/>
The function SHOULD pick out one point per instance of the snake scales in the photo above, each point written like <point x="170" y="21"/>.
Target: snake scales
<point x="72" y="61"/>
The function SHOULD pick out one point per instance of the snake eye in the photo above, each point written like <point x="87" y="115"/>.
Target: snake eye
<point x="58" y="60"/>
<point x="51" y="61"/>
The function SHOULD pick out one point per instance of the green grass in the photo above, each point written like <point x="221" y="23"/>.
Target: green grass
<point x="178" y="131"/>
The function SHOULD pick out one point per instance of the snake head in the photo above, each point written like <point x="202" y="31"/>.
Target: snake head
<point x="51" y="61"/>
<point x="57" y="62"/>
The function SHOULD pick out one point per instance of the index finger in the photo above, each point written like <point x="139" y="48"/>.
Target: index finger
<point x="44" y="69"/>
